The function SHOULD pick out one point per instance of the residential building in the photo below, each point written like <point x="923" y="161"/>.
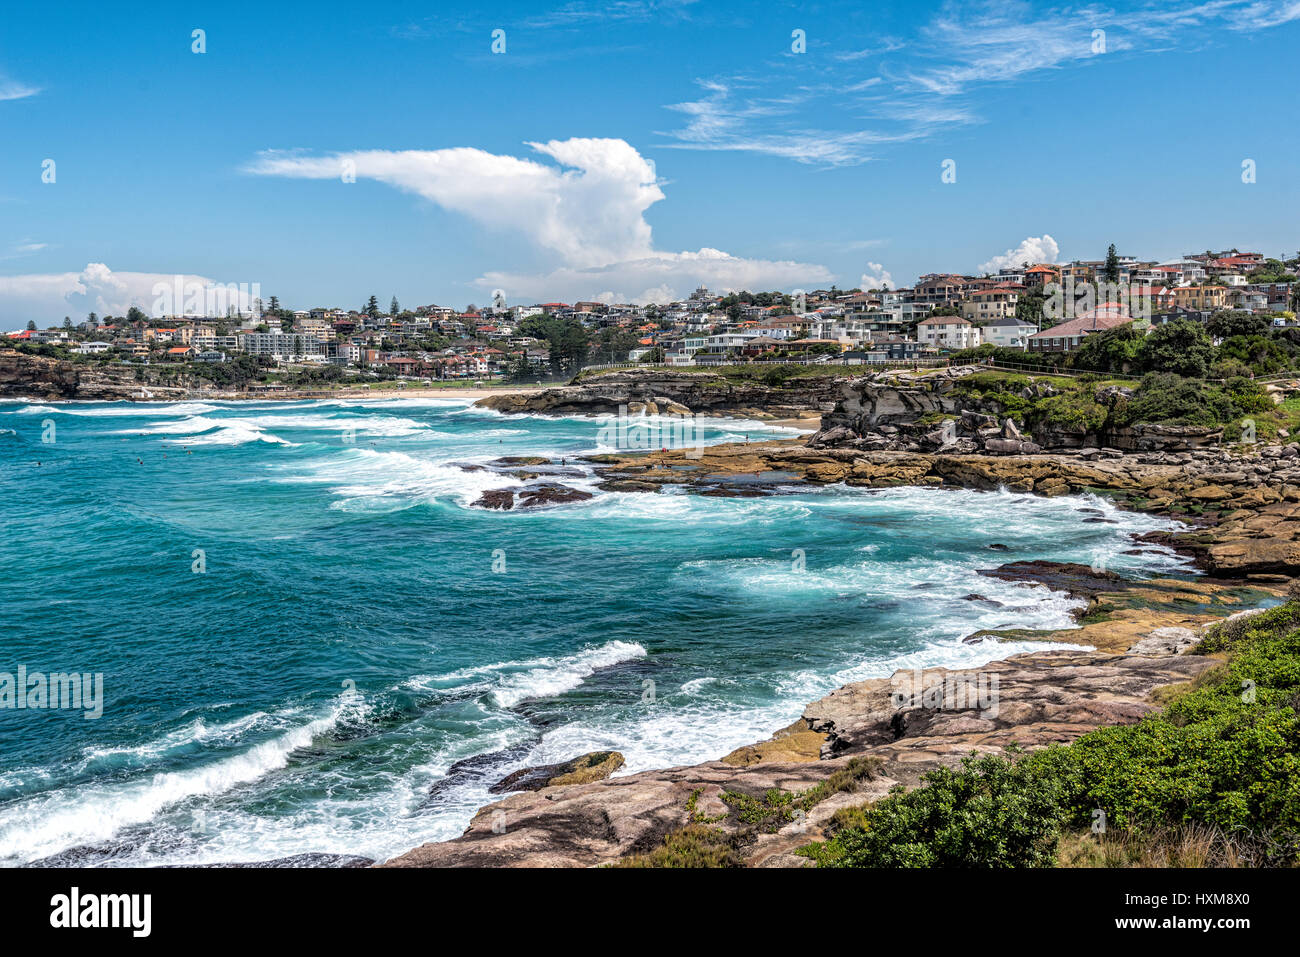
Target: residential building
<point x="948" y="332"/>
<point x="1009" y="332"/>
<point x="1201" y="297"/>
<point x="989" y="304"/>
<point x="1067" y="336"/>
<point x="281" y="346"/>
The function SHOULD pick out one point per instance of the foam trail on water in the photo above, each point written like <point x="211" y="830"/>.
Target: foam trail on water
<point x="69" y="817"/>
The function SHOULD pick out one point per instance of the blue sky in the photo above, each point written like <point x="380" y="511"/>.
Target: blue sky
<point x="626" y="150"/>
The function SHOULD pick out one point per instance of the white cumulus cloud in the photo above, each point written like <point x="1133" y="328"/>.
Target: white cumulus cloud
<point x="46" y="298"/>
<point x="1032" y="250"/>
<point x="585" y="212"/>
<point x="876" y="277"/>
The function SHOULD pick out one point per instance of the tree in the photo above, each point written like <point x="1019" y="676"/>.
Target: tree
<point x="1228" y="323"/>
<point x="275" y="305"/>
<point x="31" y="325"/>
<point x="1273" y="270"/>
<point x="134" y="315"/>
<point x="1111" y="270"/>
<point x="519" y="369"/>
<point x="1029" y="308"/>
<point x="614" y="344"/>
<point x="92" y="319"/>
<point x="1259" y="354"/>
<point x="67" y="322"/>
<point x="393" y="307"/>
<point x="372" y="308"/>
<point x="566" y="340"/>
<point x="1112" y="350"/>
<point x="1181" y="347"/>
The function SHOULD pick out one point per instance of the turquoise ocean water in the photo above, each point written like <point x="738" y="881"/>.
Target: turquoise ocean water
<point x="363" y="652"/>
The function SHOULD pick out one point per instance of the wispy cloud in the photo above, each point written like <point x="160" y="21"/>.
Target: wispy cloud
<point x="637" y="11"/>
<point x="836" y="107"/>
<point x="24" y="248"/>
<point x="735" y="115"/>
<point x="566" y="16"/>
<point x="10" y="90"/>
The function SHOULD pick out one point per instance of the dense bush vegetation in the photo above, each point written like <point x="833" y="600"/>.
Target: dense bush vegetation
<point x="990" y="813"/>
<point x="1247" y="344"/>
<point x="1090" y="404"/>
<point x="1224" y="755"/>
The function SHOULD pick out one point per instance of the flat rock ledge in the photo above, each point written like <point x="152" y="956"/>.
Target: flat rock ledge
<point x="595" y="766"/>
<point x="910" y="723"/>
<point x="1245" y="507"/>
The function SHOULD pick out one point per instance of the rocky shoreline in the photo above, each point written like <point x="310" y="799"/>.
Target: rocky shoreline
<point x="1241" y="507"/>
<point x="1242" y="511"/>
<point x="656" y="392"/>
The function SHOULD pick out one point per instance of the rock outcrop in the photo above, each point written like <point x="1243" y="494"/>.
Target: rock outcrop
<point x="1244" y="503"/>
<point x="936" y="411"/>
<point x="655" y="391"/>
<point x="37" y="377"/>
<point x="906" y="725"/>
<point x="595" y="766"/>
<point x="532" y="496"/>
<point x="916" y="721"/>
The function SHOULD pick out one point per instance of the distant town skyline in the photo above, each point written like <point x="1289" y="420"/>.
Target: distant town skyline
<point x="627" y="152"/>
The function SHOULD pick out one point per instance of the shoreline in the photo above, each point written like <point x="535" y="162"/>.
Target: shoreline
<point x="1227" y="501"/>
<point x="1135" y="628"/>
<point x="296" y="395"/>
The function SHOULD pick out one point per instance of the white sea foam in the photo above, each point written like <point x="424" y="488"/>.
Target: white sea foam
<point x="122" y="409"/>
<point x="197" y="732"/>
<point x="360" y="476"/>
<point x="77" y="815"/>
<point x="230" y="435"/>
<point x="510" y="682"/>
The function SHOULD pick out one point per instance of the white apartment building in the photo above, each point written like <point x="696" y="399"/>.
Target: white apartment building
<point x="1009" y="332"/>
<point x="282" y="346"/>
<point x="948" y="332"/>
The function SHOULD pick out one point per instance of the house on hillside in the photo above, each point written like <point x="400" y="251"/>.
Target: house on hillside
<point x="1067" y="336"/>
<point x="948" y="332"/>
<point x="1009" y="332"/>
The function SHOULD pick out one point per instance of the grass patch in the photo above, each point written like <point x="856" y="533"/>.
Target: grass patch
<point x="694" y="845"/>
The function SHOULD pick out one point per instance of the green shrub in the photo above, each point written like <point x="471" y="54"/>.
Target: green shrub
<point x="1174" y="400"/>
<point x="694" y="845"/>
<point x="1181" y="347"/>
<point x="991" y="812"/>
<point x="1077" y="411"/>
<point x="1224" y="755"/>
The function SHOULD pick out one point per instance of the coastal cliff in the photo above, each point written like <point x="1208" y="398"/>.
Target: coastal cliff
<point x="966" y="409"/>
<point x="24" y="376"/>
